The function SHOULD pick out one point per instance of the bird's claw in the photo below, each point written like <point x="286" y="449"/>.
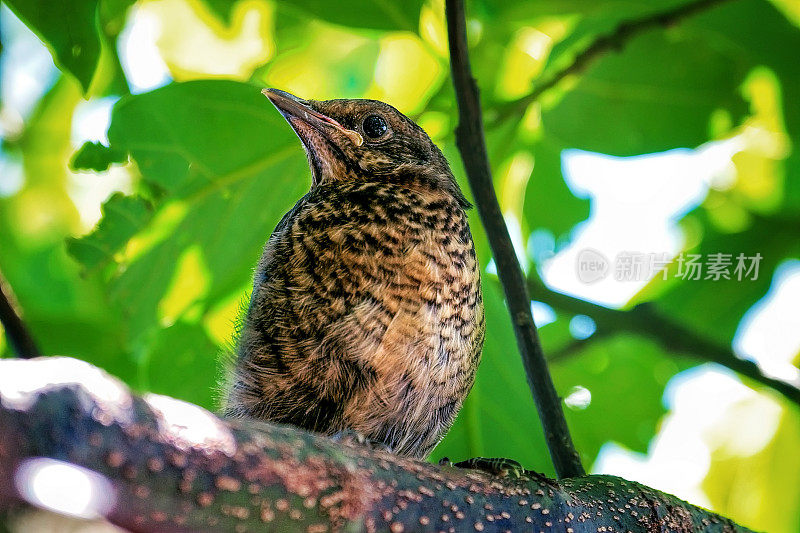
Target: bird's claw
<point x="495" y="466"/>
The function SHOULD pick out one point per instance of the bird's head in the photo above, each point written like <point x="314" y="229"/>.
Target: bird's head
<point x="362" y="140"/>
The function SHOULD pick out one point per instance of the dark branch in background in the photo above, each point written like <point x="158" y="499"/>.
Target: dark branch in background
<point x="472" y="146"/>
<point x="17" y="333"/>
<point x="613" y="41"/>
<point x="163" y="465"/>
<point x="575" y="347"/>
<point x="673" y="336"/>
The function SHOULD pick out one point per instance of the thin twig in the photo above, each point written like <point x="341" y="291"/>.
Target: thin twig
<point x="673" y="336"/>
<point x="615" y="40"/>
<point x="472" y="146"/>
<point x="17" y="332"/>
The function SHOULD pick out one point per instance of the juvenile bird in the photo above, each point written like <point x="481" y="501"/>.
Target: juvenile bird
<point x="366" y="313"/>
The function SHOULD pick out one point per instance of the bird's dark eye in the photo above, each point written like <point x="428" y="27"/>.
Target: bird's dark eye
<point x="374" y="126"/>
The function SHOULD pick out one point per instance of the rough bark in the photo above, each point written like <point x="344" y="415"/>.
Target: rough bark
<point x="175" y="467"/>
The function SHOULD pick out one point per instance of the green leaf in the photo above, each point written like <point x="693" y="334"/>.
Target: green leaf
<point x="597" y="20"/>
<point x="625" y="376"/>
<point x="749" y="487"/>
<point x="657" y="94"/>
<point x="222" y="9"/>
<point x="200" y="138"/>
<point x="67" y="314"/>
<point x="772" y="43"/>
<point x="227" y="166"/>
<point x="371" y="14"/>
<point x="97" y="157"/>
<point x="183" y="350"/>
<point x="715" y="307"/>
<point x="588" y="9"/>
<point x="68" y="29"/>
<point x="123" y="216"/>
<point x="547" y="189"/>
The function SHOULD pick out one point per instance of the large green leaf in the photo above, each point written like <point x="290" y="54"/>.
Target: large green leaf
<point x="658" y="90"/>
<point x="68" y="29"/>
<point x="658" y="93"/>
<point x="772" y="43"/>
<point x="225" y="167"/>
<point x="625" y="376"/>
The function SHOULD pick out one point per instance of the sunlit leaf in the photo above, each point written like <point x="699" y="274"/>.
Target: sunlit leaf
<point x="67" y="314"/>
<point x="195" y="44"/>
<point x="123" y="216"/>
<point x="750" y="487"/>
<point x="322" y="61"/>
<point x="375" y="14"/>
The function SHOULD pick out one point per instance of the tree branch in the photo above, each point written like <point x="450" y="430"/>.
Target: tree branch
<point x="472" y="146"/>
<point x="158" y="464"/>
<point x="615" y="40"/>
<point x="17" y="333"/>
<point x="675" y="337"/>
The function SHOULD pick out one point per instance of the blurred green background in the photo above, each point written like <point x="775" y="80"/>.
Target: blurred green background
<point x="681" y="140"/>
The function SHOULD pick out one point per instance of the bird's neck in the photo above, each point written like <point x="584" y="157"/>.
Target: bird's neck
<point x="428" y="182"/>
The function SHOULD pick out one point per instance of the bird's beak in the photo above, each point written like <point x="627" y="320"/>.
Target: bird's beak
<point x="296" y="110"/>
